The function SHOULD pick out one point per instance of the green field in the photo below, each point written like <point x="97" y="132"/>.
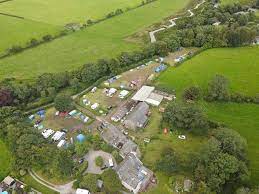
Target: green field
<point x="244" y="119"/>
<point x="225" y="2"/>
<point x="60" y="12"/>
<point x="241" y="66"/>
<point x="15" y="31"/>
<point x="5" y="160"/>
<point x="106" y="39"/>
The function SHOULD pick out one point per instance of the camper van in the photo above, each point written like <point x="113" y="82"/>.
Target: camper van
<point x="111" y="163"/>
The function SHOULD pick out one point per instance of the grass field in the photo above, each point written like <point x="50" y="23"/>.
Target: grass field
<point x="15" y="31"/>
<point x="27" y="179"/>
<point x="244" y="119"/>
<point x="151" y="152"/>
<point x="106" y="39"/>
<point x="241" y="66"/>
<point x="60" y="12"/>
<point x="225" y="2"/>
<point x="5" y="160"/>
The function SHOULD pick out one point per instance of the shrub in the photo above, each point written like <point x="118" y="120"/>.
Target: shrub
<point x="63" y="102"/>
<point x="191" y="93"/>
<point x="99" y="161"/>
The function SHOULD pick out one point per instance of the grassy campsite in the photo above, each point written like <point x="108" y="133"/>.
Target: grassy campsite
<point x="239" y="66"/>
<point x="103" y="40"/>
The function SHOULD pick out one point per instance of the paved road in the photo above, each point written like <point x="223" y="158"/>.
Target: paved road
<point x="172" y="23"/>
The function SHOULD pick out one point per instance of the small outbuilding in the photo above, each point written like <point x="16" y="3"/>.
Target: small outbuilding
<point x="9" y="181"/>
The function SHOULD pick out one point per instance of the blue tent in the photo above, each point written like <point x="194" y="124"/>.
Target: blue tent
<point x="41" y="112"/>
<point x="80" y="138"/>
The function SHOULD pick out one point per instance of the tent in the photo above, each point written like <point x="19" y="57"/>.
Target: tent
<point x="80" y="138"/>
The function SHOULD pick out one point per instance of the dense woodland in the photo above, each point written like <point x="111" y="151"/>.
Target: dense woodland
<point x="220" y="167"/>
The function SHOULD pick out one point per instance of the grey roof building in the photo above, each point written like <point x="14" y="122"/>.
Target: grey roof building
<point x="138" y="118"/>
<point x="134" y="176"/>
<point x="116" y="138"/>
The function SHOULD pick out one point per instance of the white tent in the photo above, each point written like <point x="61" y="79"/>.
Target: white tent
<point x="61" y="143"/>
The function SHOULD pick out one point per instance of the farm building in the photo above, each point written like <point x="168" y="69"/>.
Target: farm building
<point x="117" y="139"/>
<point x="133" y="174"/>
<point x="123" y="111"/>
<point x="147" y="94"/>
<point x="138" y="118"/>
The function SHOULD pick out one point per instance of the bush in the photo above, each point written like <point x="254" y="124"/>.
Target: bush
<point x="99" y="161"/>
<point x="191" y="93"/>
<point x="89" y="182"/>
<point x="63" y="102"/>
<point x="112" y="183"/>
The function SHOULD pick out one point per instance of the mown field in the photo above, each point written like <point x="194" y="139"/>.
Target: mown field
<point x="16" y="31"/>
<point x="106" y="39"/>
<point x="60" y="12"/>
<point x="5" y="160"/>
<point x="241" y="67"/>
<point x="225" y="2"/>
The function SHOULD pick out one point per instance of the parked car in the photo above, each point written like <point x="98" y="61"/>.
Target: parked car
<point x="81" y="161"/>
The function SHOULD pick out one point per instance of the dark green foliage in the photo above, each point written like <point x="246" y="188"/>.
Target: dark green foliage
<point x="63" y="103"/>
<point x="221" y="164"/>
<point x="89" y="181"/>
<point x="99" y="161"/>
<point x="231" y="142"/>
<point x="112" y="183"/>
<point x="192" y="93"/>
<point x="169" y="162"/>
<point x="185" y="116"/>
<point x="218" y="89"/>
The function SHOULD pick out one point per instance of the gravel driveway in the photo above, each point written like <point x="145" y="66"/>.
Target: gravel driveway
<point x="90" y="157"/>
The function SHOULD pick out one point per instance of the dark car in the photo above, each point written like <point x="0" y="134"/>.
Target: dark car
<point x="81" y="161"/>
<point x="104" y="167"/>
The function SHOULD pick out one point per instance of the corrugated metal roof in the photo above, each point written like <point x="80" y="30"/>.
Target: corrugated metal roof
<point x="143" y="93"/>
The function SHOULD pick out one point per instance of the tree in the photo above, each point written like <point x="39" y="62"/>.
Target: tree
<point x="185" y="116"/>
<point x="47" y="38"/>
<point x="89" y="182"/>
<point x="169" y="162"/>
<point x="99" y="161"/>
<point x="218" y="89"/>
<point x="75" y="84"/>
<point x="191" y="93"/>
<point x="112" y="183"/>
<point x="82" y="148"/>
<point x="6" y="97"/>
<point x="63" y="102"/>
<point x="221" y="171"/>
<point x="231" y="142"/>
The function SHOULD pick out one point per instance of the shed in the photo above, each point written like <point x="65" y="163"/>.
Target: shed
<point x="154" y="99"/>
<point x="80" y="138"/>
<point x="143" y="93"/>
